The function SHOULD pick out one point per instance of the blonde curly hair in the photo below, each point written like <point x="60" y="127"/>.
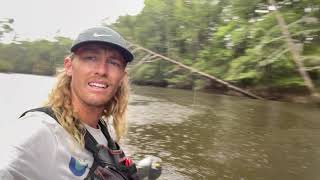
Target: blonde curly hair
<point x="61" y="103"/>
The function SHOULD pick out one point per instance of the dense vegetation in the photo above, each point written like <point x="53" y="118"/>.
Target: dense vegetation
<point x="235" y="40"/>
<point x="37" y="57"/>
<point x="34" y="57"/>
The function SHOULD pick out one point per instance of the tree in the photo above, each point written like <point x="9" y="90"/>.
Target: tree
<point x="5" y="26"/>
<point x="237" y="40"/>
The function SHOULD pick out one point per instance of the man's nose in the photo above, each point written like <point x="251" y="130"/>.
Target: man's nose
<point x="102" y="68"/>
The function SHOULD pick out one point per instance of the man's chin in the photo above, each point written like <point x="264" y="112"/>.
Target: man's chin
<point x="97" y="104"/>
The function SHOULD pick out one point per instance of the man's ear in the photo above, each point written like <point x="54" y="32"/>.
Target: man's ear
<point x="124" y="76"/>
<point x="68" y="65"/>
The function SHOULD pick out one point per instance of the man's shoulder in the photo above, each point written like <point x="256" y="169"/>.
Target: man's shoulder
<point x="37" y="118"/>
<point x="27" y="135"/>
<point x="33" y="124"/>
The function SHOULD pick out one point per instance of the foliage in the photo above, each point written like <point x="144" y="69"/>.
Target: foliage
<point x="235" y="40"/>
<point x="5" y="26"/>
<point x="37" y="57"/>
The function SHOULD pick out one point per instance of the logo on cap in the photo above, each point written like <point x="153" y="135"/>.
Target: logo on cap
<point x="101" y="35"/>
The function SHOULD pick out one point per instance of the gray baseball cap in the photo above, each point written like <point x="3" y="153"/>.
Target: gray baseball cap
<point x="103" y="35"/>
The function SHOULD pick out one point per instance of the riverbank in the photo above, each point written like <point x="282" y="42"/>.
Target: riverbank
<point x="292" y="94"/>
<point x="285" y="94"/>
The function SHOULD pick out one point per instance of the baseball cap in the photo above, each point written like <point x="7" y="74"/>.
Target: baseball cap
<point x="103" y="35"/>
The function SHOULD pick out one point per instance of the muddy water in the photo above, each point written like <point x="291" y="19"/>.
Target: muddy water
<point x="202" y="136"/>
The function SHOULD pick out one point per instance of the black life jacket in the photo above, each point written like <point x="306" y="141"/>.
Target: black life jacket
<point x="110" y="162"/>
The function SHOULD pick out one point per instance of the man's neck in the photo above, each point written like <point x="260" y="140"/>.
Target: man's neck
<point x="90" y="116"/>
<point x="87" y="114"/>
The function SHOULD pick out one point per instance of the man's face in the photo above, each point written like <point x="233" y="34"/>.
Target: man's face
<point x="96" y="72"/>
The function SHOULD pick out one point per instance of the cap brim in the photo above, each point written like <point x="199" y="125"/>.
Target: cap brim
<point x="127" y="55"/>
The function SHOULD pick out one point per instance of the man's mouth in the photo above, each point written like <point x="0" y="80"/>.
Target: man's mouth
<point x="98" y="85"/>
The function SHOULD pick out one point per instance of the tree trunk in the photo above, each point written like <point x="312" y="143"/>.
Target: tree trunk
<point x="230" y="86"/>
<point x="295" y="53"/>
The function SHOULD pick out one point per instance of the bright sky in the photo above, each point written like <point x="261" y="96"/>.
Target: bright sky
<point x="47" y="18"/>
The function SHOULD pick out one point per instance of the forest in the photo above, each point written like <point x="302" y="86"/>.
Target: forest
<point x="238" y="41"/>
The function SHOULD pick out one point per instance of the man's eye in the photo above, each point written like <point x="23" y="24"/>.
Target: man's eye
<point x="115" y="63"/>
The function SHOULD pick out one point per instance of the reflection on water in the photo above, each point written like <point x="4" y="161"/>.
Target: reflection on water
<point x="202" y="136"/>
<point x="148" y="110"/>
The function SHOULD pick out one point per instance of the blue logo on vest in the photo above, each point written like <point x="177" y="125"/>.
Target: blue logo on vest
<point x="76" y="167"/>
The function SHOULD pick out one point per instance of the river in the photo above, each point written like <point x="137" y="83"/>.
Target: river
<point x="199" y="135"/>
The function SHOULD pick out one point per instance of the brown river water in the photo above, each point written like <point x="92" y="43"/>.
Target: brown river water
<point x="199" y="135"/>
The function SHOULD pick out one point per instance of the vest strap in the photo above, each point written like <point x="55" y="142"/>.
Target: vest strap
<point x="115" y="154"/>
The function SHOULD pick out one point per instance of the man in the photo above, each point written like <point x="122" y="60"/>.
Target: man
<point x="92" y="91"/>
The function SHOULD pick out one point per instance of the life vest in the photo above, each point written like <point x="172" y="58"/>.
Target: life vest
<point x="110" y="162"/>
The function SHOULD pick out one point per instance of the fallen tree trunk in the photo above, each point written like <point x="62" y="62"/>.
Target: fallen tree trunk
<point x="228" y="85"/>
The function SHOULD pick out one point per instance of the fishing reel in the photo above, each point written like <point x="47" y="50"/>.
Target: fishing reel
<point x="149" y="168"/>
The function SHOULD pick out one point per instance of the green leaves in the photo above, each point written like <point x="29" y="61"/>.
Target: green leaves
<point x="235" y="40"/>
<point x="229" y="39"/>
<point x="37" y="57"/>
